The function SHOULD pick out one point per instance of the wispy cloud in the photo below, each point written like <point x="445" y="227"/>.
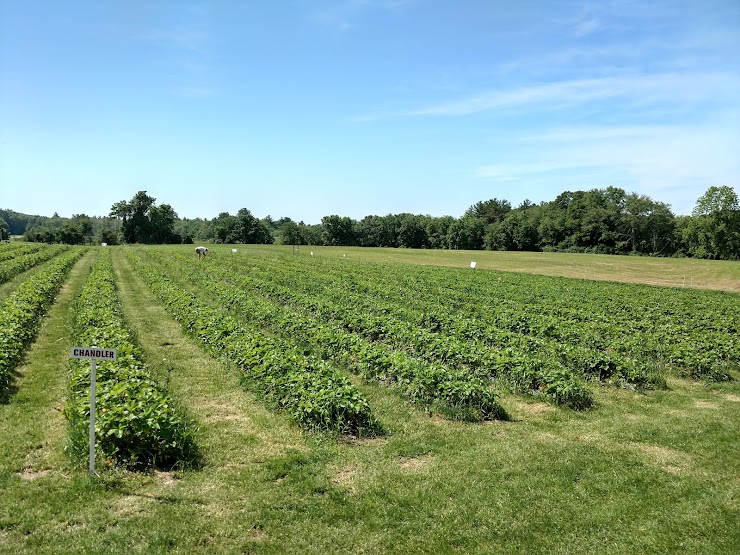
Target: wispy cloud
<point x="586" y="27"/>
<point x="344" y="16"/>
<point x="638" y="89"/>
<point x="682" y="159"/>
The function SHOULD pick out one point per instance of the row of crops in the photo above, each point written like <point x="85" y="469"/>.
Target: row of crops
<point x="296" y="328"/>
<point x="449" y="339"/>
<point x="138" y="424"/>
<point x="22" y="311"/>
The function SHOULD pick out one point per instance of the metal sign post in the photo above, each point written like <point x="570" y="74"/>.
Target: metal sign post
<point x="93" y="353"/>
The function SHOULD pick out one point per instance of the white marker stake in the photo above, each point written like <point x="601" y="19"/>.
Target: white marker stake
<point x="472" y="265"/>
<point x="93" y="353"/>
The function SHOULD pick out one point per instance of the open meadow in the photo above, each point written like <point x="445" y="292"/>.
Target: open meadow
<point x="354" y="400"/>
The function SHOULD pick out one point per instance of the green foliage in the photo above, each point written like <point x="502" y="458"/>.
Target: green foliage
<point x="142" y="221"/>
<point x="4" y="230"/>
<point x="714" y="230"/>
<point x="22" y="311"/>
<point x="339" y="231"/>
<point x="315" y="394"/>
<point x="138" y="425"/>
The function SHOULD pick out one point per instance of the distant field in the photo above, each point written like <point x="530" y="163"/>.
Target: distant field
<point x="721" y="275"/>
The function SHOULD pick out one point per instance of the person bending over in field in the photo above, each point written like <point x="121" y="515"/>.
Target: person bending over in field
<point x="201" y="252"/>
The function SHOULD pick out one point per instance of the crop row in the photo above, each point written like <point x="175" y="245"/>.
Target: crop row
<point x="452" y="392"/>
<point x="14" y="266"/>
<point x="16" y="249"/>
<point x="317" y="395"/>
<point x="22" y="312"/>
<point x="517" y="368"/>
<point x="138" y="425"/>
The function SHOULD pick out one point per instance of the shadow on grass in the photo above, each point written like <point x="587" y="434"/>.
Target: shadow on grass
<point x="11" y="389"/>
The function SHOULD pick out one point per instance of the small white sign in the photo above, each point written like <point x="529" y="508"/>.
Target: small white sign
<point x="472" y="264"/>
<point x="311" y="253"/>
<point x="103" y="244"/>
<point x="94" y="353"/>
<point x="233" y="250"/>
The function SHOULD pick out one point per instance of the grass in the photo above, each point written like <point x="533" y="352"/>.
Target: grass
<point x="674" y="272"/>
<point x="641" y="473"/>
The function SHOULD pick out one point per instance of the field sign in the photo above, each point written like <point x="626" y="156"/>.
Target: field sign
<point x="472" y="264"/>
<point x="93" y="353"/>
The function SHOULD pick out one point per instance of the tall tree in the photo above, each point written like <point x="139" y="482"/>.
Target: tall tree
<point x="493" y="210"/>
<point x="145" y="222"/>
<point x="339" y="231"/>
<point x="714" y="230"/>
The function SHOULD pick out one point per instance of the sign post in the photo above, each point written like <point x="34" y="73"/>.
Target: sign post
<point x="93" y="353"/>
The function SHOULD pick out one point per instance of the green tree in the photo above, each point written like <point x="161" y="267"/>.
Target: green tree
<point x="339" y="231"/>
<point x="466" y="234"/>
<point x="142" y="221"/>
<point x="289" y="233"/>
<point x="491" y="211"/>
<point x="249" y="230"/>
<point x="714" y="229"/>
<point x="134" y="215"/>
<point x="4" y="230"/>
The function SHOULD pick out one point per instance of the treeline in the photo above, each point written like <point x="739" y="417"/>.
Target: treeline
<point x="80" y="229"/>
<point x="608" y="221"/>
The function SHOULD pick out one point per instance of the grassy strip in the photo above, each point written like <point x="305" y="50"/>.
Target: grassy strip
<point x="21" y="313"/>
<point x="317" y="396"/>
<point x="452" y="392"/>
<point x="138" y="425"/>
<point x="691" y="273"/>
<point x="15" y="266"/>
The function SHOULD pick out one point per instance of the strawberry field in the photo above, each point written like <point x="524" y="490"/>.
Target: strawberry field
<point x="386" y="407"/>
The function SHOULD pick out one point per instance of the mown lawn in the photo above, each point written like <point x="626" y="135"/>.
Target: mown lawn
<point x="653" y="472"/>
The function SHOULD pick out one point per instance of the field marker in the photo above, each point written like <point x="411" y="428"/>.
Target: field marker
<point x="93" y="353"/>
<point x="233" y="250"/>
<point x="472" y="264"/>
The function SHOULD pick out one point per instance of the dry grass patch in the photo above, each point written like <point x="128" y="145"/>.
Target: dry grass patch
<point x="346" y="476"/>
<point x="30" y="474"/>
<point x="731" y="397"/>
<point x="668" y="460"/>
<point x="415" y="463"/>
<point x="131" y="505"/>
<point x="528" y="409"/>
<point x="705" y="405"/>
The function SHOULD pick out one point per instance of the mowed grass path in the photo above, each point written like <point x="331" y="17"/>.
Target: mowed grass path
<point x="642" y="473"/>
<point x="723" y="275"/>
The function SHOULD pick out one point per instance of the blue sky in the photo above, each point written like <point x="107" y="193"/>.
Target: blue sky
<point x="308" y="108"/>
